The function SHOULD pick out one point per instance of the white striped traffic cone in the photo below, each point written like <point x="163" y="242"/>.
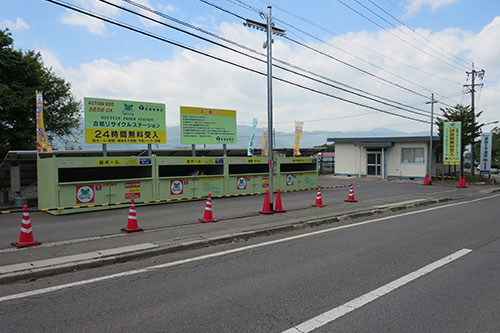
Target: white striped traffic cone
<point x="207" y="215"/>
<point x="132" y="225"/>
<point x="350" y="197"/>
<point x="319" y="198"/>
<point x="26" y="236"/>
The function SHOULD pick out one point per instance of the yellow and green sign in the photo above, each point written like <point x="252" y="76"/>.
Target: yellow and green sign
<point x="452" y="142"/>
<point x="117" y="121"/>
<point x="207" y="126"/>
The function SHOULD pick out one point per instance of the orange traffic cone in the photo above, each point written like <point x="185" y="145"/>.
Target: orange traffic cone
<point x="350" y="197"/>
<point x="26" y="236"/>
<point x="427" y="180"/>
<point x="279" y="207"/>
<point x="319" y="198"/>
<point x="266" y="208"/>
<point x="132" y="225"/>
<point x="207" y="215"/>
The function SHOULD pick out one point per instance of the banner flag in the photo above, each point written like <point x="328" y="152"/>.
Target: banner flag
<point x="250" y="143"/>
<point x="299" y="125"/>
<point x="42" y="142"/>
<point x="264" y="141"/>
<point x="451" y="146"/>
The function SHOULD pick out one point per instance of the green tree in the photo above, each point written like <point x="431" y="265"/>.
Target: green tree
<point x="471" y="129"/>
<point x="21" y="75"/>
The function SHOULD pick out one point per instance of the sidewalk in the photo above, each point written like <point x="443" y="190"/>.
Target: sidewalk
<point x="64" y="256"/>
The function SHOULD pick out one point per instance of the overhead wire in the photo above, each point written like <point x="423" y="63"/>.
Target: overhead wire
<point x="404" y="32"/>
<point x="261" y="60"/>
<point x="398" y="37"/>
<point x="341" y="61"/>
<point x="418" y="34"/>
<point x="349" y="53"/>
<point x="166" y="40"/>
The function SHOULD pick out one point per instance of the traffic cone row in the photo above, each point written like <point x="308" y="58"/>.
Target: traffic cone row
<point x="208" y="215"/>
<point x="350" y="197"/>
<point x="461" y="182"/>
<point x="427" y="180"/>
<point x="26" y="235"/>
<point x="132" y="225"/>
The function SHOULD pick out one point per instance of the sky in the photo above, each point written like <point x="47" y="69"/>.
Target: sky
<point x="395" y="53"/>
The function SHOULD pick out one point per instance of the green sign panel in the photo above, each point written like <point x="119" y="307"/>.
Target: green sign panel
<point x="207" y="126"/>
<point x="116" y="121"/>
<point x="452" y="142"/>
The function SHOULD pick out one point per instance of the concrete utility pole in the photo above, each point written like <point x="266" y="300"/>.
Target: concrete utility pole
<point x="270" y="29"/>
<point x="429" y="163"/>
<point x="471" y="87"/>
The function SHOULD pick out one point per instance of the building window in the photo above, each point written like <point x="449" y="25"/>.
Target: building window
<point x="412" y="155"/>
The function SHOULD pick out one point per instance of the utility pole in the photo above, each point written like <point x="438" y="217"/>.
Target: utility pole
<point x="429" y="163"/>
<point x="471" y="88"/>
<point x="270" y="29"/>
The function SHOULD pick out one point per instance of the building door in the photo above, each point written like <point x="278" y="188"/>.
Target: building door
<point x="374" y="162"/>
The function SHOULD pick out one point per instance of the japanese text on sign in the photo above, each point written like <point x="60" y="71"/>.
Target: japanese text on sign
<point x="207" y="126"/>
<point x="116" y="121"/>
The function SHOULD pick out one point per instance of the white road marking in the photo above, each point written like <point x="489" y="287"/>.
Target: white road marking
<point x="223" y="253"/>
<point x="339" y="311"/>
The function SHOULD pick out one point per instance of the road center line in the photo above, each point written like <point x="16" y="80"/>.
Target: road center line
<point x="339" y="311"/>
<point x="223" y="253"/>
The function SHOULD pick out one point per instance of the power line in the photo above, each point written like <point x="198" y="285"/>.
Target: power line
<point x="420" y="35"/>
<point x="261" y="60"/>
<point x="403" y="40"/>
<point x="345" y="63"/>
<point x="163" y="39"/>
<point x="399" y="29"/>
<point x="349" y="41"/>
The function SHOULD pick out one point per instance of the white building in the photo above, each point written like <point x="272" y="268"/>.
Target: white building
<point x="385" y="157"/>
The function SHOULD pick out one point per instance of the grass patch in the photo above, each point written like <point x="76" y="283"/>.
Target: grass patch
<point x="355" y="216"/>
<point x="395" y="209"/>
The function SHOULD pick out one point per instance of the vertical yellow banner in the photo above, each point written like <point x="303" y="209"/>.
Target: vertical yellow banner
<point x="299" y="125"/>
<point x="42" y="142"/>
<point x="264" y="141"/>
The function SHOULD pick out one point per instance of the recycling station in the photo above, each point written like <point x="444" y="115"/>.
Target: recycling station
<point x="86" y="178"/>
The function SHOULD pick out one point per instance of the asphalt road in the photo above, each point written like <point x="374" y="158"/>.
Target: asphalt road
<point x="65" y="227"/>
<point x="276" y="283"/>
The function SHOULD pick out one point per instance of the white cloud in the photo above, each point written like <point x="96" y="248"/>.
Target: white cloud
<point x="93" y="25"/>
<point x="193" y="80"/>
<point x="18" y="25"/>
<point x="414" y="6"/>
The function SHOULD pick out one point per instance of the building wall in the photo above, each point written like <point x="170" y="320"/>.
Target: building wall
<point x="348" y="160"/>
<point x="395" y="166"/>
<point x="351" y="160"/>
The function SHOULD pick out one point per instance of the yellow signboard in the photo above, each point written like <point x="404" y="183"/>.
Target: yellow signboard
<point x="207" y="126"/>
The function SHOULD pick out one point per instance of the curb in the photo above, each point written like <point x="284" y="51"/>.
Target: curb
<point x="35" y="273"/>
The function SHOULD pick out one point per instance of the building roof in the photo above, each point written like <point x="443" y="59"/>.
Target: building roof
<point x="384" y="139"/>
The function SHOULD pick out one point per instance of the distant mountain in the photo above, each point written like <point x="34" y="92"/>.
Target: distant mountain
<point x="282" y="139"/>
